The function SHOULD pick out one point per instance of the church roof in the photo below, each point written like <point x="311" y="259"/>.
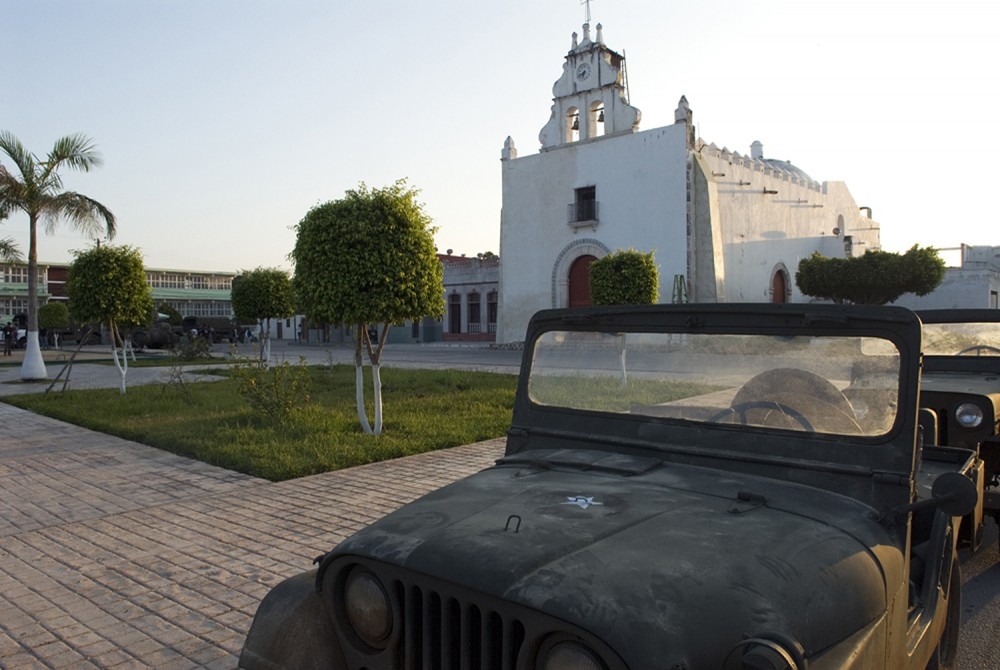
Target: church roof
<point x="788" y="167"/>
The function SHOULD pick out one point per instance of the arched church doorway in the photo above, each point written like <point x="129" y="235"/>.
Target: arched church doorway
<point x="579" y="281"/>
<point x="779" y="288"/>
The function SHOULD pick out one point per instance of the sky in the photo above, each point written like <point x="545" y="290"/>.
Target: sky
<point x="223" y="122"/>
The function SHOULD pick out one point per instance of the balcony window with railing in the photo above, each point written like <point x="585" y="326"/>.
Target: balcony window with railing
<point x="583" y="209"/>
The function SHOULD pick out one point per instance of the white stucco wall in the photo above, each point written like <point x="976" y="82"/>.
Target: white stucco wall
<point x="976" y="284"/>
<point x="769" y="219"/>
<point x="640" y="182"/>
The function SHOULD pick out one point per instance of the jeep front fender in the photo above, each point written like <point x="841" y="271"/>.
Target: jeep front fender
<point x="291" y="629"/>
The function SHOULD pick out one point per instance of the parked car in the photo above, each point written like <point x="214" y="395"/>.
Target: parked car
<point x="684" y="486"/>
<point x="961" y="390"/>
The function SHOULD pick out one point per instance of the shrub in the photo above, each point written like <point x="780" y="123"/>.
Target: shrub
<point x="274" y="391"/>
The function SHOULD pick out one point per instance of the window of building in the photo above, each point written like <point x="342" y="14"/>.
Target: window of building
<point x="491" y="311"/>
<point x="584" y="207"/>
<point x="15" y="274"/>
<point x="454" y="313"/>
<point x="474" y="322"/>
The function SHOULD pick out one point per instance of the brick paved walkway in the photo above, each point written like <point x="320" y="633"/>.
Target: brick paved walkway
<point x="117" y="555"/>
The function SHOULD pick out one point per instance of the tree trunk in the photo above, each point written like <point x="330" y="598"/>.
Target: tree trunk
<point x="265" y="341"/>
<point x="359" y="379"/>
<point x="33" y="365"/>
<point x="122" y="365"/>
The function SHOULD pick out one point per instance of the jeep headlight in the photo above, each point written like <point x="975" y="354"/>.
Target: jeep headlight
<point x="570" y="655"/>
<point x="368" y="608"/>
<point x="969" y="415"/>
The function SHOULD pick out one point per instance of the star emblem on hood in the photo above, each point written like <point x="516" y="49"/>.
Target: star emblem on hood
<point x="583" y="502"/>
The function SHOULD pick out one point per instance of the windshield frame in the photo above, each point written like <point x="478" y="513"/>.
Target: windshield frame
<point x="666" y="434"/>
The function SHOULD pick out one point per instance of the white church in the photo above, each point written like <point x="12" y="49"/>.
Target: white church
<point x="723" y="227"/>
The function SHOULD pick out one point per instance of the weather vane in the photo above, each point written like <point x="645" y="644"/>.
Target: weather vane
<point x="587" y="3"/>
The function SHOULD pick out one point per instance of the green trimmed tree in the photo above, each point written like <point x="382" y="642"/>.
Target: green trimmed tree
<point x="874" y="278"/>
<point x="53" y="316"/>
<point x="259" y="296"/>
<point x="624" y="277"/>
<point x="35" y="188"/>
<point x="368" y="260"/>
<point x="107" y="285"/>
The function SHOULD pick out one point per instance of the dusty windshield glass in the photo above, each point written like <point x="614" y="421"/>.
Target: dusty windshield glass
<point x="961" y="339"/>
<point x="832" y="385"/>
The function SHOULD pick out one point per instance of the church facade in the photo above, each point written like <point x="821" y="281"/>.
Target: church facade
<point x="723" y="227"/>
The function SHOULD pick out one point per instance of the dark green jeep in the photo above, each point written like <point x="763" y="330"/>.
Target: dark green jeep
<point x="684" y="487"/>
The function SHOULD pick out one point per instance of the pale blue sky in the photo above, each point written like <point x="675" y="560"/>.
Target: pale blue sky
<point x="222" y="122"/>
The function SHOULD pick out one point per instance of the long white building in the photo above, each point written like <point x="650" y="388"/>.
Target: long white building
<point x="723" y="226"/>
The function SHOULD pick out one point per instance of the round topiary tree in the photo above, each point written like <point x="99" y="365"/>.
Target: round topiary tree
<point x="624" y="277"/>
<point x="368" y="259"/>
<point x="107" y="285"/>
<point x="53" y="317"/>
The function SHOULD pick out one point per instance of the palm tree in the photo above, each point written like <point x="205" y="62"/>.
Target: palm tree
<point x="38" y="192"/>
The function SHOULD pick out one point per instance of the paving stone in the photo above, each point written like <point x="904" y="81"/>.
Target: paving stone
<point x="114" y="555"/>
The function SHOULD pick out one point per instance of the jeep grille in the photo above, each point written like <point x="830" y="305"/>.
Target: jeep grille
<point x="439" y="625"/>
<point x="441" y="630"/>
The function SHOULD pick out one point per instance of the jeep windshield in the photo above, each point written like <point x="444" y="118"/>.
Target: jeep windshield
<point x="971" y="338"/>
<point x="841" y="384"/>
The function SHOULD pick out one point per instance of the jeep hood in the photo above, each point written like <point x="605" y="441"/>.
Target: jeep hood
<point x="651" y="561"/>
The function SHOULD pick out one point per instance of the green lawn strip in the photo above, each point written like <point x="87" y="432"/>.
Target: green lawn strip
<point x="209" y="421"/>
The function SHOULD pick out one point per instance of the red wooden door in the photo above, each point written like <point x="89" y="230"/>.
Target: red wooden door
<point x="579" y="281"/>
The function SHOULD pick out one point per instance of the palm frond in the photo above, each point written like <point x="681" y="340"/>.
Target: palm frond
<point x="85" y="214"/>
<point x="21" y="157"/>
<point x="75" y="151"/>
<point x="10" y="252"/>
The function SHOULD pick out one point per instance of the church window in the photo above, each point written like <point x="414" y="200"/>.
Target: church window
<point x="584" y="207"/>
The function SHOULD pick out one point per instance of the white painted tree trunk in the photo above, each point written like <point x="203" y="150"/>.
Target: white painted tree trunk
<point x="359" y="388"/>
<point x="377" y="389"/>
<point x="122" y="364"/>
<point x="265" y="341"/>
<point x="33" y="365"/>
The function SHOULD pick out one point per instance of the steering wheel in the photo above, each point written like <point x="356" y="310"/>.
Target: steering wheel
<point x="768" y="416"/>
<point x="979" y="349"/>
<point x="796" y="399"/>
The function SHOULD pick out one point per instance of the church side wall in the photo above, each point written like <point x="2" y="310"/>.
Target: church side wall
<point x="639" y="181"/>
<point x="770" y="220"/>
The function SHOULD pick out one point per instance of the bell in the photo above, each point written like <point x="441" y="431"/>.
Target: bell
<point x="600" y="117"/>
<point x="576" y="123"/>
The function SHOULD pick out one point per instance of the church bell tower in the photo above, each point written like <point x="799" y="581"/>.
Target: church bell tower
<point x="591" y="97"/>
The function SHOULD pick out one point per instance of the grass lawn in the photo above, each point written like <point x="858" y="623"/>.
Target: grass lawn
<point x="423" y="410"/>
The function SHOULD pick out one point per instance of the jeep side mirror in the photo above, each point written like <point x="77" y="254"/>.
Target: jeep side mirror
<point x="952" y="493"/>
<point x="955" y="493"/>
